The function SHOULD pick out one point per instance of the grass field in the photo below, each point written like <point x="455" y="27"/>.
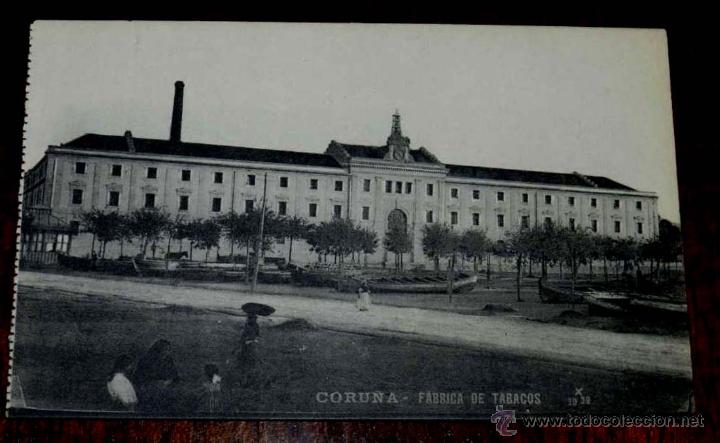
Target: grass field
<point x="66" y="344"/>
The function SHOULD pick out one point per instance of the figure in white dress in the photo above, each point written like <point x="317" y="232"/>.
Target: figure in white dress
<point x="363" y="299"/>
<point x="119" y="386"/>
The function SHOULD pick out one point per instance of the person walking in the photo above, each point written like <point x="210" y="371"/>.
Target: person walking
<point x="363" y="298"/>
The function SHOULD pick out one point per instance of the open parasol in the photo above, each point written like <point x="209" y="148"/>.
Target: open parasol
<point x="258" y="309"/>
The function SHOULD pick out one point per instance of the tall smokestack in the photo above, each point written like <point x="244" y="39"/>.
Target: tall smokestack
<point x="176" y="123"/>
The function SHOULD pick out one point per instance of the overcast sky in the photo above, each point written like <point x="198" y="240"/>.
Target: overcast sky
<point x="595" y="101"/>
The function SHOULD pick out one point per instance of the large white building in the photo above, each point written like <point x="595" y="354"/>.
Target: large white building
<point x="368" y="184"/>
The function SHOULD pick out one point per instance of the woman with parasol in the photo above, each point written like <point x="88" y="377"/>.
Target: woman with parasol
<point x="248" y="358"/>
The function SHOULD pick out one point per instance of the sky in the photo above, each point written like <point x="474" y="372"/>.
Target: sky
<point x="591" y="100"/>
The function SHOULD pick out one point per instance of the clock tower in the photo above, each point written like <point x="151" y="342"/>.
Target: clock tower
<point x="398" y="145"/>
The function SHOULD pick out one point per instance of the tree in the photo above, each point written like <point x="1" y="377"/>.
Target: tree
<point x="368" y="242"/>
<point x="148" y="224"/>
<point x="105" y="227"/>
<point x="398" y="241"/>
<point x="544" y="246"/>
<point x="435" y="242"/>
<point x="577" y="249"/>
<point x="474" y="245"/>
<point x="519" y="245"/>
<point x="293" y="228"/>
<point x="207" y="235"/>
<point x="125" y="233"/>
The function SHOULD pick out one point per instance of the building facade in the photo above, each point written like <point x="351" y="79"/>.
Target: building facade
<point x="367" y="184"/>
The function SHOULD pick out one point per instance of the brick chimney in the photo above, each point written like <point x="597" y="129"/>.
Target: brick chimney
<point x="130" y="142"/>
<point x="176" y="123"/>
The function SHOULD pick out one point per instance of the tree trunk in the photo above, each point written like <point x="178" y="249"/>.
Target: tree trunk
<point x="191" y="251"/>
<point x="167" y="253"/>
<point x="605" y="271"/>
<point x="207" y="253"/>
<point x="290" y="252"/>
<point x="487" y="271"/>
<point x="122" y="243"/>
<point x="450" y="279"/>
<point x="530" y="274"/>
<point x="562" y="275"/>
<point x="518" y="276"/>
<point x="92" y="245"/>
<point x="247" y="262"/>
<point x="436" y="260"/>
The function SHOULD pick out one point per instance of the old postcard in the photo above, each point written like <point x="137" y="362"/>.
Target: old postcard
<point x="258" y="220"/>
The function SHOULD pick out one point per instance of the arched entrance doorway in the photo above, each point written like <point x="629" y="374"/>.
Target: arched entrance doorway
<point x="398" y="220"/>
<point x="397" y="239"/>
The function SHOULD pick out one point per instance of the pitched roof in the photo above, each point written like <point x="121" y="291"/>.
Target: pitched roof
<point x="116" y="143"/>
<point x="550" y="178"/>
<point x="379" y="152"/>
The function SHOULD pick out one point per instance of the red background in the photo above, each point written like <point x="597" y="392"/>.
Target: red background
<point x="692" y="60"/>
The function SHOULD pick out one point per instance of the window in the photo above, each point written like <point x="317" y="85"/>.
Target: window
<point x="366" y="185"/>
<point x="408" y="188"/>
<point x="338" y="185"/>
<point x="571" y="201"/>
<point x="249" y="205"/>
<point x="185" y="175"/>
<point x="283" y="182"/>
<point x="184" y="203"/>
<point x="116" y="170"/>
<point x="429" y="189"/>
<point x="337" y="211"/>
<point x="216" y="204"/>
<point x="428" y="217"/>
<point x="638" y="206"/>
<point x="388" y="186"/>
<point x="282" y="208"/>
<point x="476" y="194"/>
<point x="476" y="219"/>
<point x="218" y="177"/>
<point x="398" y="187"/>
<point x="313" y="183"/>
<point x="77" y="196"/>
<point x="525" y="198"/>
<point x="593" y="202"/>
<point x="548" y="199"/>
<point x="639" y="228"/>
<point x="525" y="221"/>
<point x="594" y="225"/>
<point x="151" y="172"/>
<point x="79" y="167"/>
<point x="500" y="196"/>
<point x="616" y="204"/>
<point x="366" y="213"/>
<point x="312" y="209"/>
<point x="453" y="218"/>
<point x="453" y="193"/>
<point x="500" y="220"/>
<point x="571" y="223"/>
<point x="547" y="221"/>
<point x="149" y="200"/>
<point x="617" y="226"/>
<point x="251" y="180"/>
<point x="113" y="198"/>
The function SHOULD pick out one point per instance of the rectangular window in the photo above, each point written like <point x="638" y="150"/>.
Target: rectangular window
<point x="216" y="204"/>
<point x="312" y="209"/>
<point x="594" y="225"/>
<point x="548" y="221"/>
<point x="617" y="226"/>
<point x="366" y="185"/>
<point x="548" y="199"/>
<point x="398" y="187"/>
<point x="525" y="198"/>
<point x="476" y="219"/>
<point x="282" y="208"/>
<point x="79" y="167"/>
<point x="593" y="202"/>
<point x="571" y="201"/>
<point x="388" y="186"/>
<point x="571" y="223"/>
<point x="639" y="228"/>
<point x="338" y="185"/>
<point x="116" y="170"/>
<point x="249" y="205"/>
<point x="500" y="196"/>
<point x="251" y="180"/>
<point x="429" y="189"/>
<point x="184" y="203"/>
<point x="283" y="182"/>
<point x="218" y="177"/>
<point x="476" y="194"/>
<point x="337" y="211"/>
<point x="638" y="206"/>
<point x="113" y="198"/>
<point x="616" y="204"/>
<point x="408" y="187"/>
<point x="500" y="220"/>
<point x="313" y="183"/>
<point x="185" y="175"/>
<point x="428" y="217"/>
<point x="366" y="213"/>
<point x="525" y="221"/>
<point x="453" y="193"/>
<point x="151" y="172"/>
<point x="149" y="200"/>
<point x="453" y="218"/>
<point x="77" y="196"/>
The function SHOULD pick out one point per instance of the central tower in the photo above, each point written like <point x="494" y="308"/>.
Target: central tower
<point x="398" y="145"/>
